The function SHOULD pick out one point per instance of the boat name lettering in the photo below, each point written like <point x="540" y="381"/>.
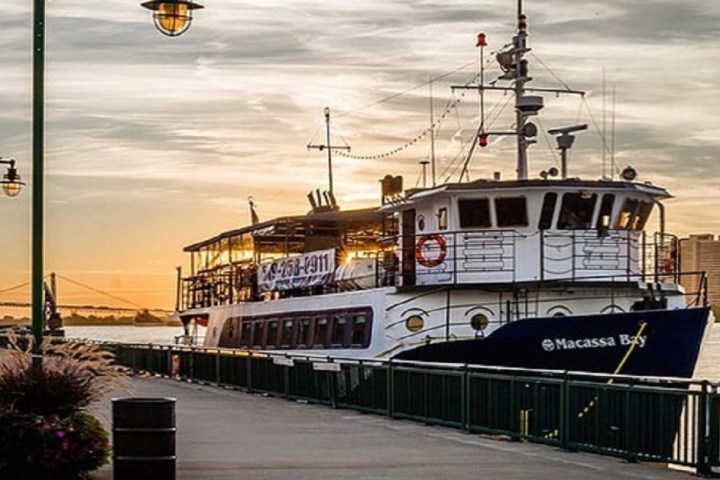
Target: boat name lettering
<point x="307" y="270"/>
<point x="552" y="344"/>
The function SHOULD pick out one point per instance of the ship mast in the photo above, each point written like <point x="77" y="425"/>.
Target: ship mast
<point x="515" y="69"/>
<point x="329" y="147"/>
<point x="520" y="43"/>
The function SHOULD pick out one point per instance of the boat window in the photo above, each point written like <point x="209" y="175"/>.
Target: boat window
<point x="548" y="209"/>
<point x="320" y="334"/>
<point x="627" y="213"/>
<point x="246" y="337"/>
<point x="474" y="213"/>
<point x="442" y="219"/>
<point x="576" y="211"/>
<point x="301" y="335"/>
<point x="511" y="212"/>
<point x="634" y="214"/>
<point x="287" y="333"/>
<point x="642" y="216"/>
<point x="258" y="331"/>
<point x="338" y="331"/>
<point x="358" y="330"/>
<point x="272" y="332"/>
<point x="606" y="207"/>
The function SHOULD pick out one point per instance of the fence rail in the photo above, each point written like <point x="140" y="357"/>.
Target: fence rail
<point x="664" y="420"/>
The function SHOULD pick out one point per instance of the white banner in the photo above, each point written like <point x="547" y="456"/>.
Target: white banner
<point x="307" y="270"/>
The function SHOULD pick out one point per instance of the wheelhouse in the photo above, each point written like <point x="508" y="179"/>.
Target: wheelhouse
<point x="526" y="231"/>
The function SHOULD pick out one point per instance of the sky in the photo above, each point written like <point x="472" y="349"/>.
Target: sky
<point x="154" y="143"/>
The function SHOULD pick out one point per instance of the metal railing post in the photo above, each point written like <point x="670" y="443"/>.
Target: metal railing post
<point x="701" y="429"/>
<point x="390" y="390"/>
<point x="217" y="367"/>
<point x="465" y="400"/>
<point x="564" y="429"/>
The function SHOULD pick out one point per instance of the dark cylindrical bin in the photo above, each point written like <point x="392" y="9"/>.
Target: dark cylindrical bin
<point x="143" y="438"/>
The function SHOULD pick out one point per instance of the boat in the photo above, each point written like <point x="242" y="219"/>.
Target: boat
<point x="554" y="272"/>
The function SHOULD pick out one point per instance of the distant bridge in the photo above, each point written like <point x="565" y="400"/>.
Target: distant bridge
<point x="134" y="307"/>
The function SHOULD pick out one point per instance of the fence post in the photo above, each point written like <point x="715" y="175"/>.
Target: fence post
<point x="713" y="427"/>
<point x="331" y="383"/>
<point x="192" y="364"/>
<point x="630" y="456"/>
<point x="703" y="464"/>
<point x="217" y="367"/>
<point x="465" y="400"/>
<point x="390" y="390"/>
<point x="248" y="372"/>
<point x="563" y="431"/>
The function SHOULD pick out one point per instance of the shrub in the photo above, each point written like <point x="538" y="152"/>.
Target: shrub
<point x="45" y="433"/>
<point x="73" y="376"/>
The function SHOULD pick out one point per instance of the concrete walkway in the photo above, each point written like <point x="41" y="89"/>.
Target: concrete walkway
<point x="225" y="434"/>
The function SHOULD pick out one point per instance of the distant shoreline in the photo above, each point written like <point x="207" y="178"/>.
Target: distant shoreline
<point x="100" y="323"/>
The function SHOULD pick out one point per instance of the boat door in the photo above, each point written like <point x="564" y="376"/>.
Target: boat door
<point x="408" y="247"/>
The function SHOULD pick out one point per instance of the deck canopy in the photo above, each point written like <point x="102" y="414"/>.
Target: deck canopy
<point x="352" y="230"/>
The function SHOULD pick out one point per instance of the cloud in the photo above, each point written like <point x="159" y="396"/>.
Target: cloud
<point x="153" y="143"/>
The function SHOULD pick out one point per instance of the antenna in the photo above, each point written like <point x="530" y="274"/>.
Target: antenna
<point x="432" y="135"/>
<point x="604" y="123"/>
<point x="612" y="144"/>
<point x="565" y="141"/>
<point x="329" y="148"/>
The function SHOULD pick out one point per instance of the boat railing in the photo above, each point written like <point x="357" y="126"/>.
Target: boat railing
<point x="502" y="256"/>
<point x="470" y="257"/>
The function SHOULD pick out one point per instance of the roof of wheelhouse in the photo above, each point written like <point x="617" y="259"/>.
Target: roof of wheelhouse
<point x="489" y="185"/>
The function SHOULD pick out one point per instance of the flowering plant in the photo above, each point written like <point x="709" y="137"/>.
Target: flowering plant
<point x="51" y="447"/>
<point x="45" y="431"/>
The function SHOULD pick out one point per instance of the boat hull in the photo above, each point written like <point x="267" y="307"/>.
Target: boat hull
<point x="650" y="343"/>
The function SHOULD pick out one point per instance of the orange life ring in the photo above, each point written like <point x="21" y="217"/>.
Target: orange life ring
<point x="441" y="249"/>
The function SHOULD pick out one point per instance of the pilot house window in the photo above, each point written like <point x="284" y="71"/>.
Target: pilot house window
<point x="548" y="209"/>
<point x="634" y="214"/>
<point x="577" y="211"/>
<point x="606" y="206"/>
<point x="511" y="212"/>
<point x="474" y="213"/>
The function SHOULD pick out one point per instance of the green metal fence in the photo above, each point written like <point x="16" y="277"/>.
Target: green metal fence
<point x="673" y="421"/>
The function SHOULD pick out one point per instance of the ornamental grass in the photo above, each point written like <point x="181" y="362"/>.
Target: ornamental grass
<point x="46" y="431"/>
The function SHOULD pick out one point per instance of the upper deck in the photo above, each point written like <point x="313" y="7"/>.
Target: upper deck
<point x="479" y="233"/>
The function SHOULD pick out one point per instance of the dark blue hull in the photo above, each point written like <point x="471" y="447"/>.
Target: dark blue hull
<point x="668" y="345"/>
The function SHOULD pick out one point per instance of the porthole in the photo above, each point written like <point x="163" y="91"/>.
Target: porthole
<point x="479" y="322"/>
<point x="421" y="222"/>
<point x="414" y="323"/>
<point x="559" y="311"/>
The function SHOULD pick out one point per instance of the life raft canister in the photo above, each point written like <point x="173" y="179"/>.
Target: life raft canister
<point x="422" y="246"/>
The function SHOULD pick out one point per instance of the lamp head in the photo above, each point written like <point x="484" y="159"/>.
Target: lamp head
<point x="12" y="182"/>
<point x="172" y="17"/>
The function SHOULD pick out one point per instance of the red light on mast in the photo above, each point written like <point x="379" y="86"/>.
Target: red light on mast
<point x="483" y="140"/>
<point x="481" y="40"/>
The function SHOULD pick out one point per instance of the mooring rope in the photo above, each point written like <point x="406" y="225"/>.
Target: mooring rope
<point x="620" y="366"/>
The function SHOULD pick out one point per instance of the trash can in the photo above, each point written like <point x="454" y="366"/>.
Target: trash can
<point x="143" y="438"/>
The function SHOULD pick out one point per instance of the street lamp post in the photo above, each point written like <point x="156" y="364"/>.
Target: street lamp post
<point x="175" y="17"/>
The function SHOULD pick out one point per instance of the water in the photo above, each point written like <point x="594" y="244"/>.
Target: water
<point x="126" y="333"/>
<point x="708" y="367"/>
